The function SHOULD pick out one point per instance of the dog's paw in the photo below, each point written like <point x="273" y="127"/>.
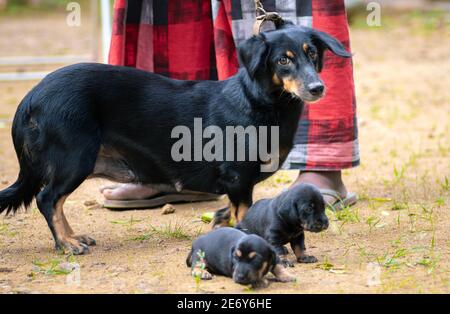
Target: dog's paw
<point x="307" y="259"/>
<point x="263" y="283"/>
<point x="85" y="239"/>
<point x="202" y="274"/>
<point x="286" y="278"/>
<point x="71" y="245"/>
<point x="282" y="274"/>
<point x="286" y="262"/>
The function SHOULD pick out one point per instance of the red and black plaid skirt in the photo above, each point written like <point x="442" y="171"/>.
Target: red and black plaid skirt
<point x="197" y="39"/>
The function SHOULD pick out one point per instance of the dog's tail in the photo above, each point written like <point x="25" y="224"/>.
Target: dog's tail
<point x="21" y="193"/>
<point x="28" y="183"/>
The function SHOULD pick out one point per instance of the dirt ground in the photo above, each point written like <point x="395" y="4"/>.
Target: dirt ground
<point x="395" y="240"/>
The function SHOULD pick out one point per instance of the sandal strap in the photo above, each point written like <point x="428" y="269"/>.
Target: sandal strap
<point x="332" y="193"/>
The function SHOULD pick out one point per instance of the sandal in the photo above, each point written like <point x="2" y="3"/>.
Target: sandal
<point x="339" y="202"/>
<point x="160" y="200"/>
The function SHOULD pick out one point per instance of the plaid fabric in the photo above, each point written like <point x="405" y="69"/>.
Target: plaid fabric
<point x="197" y="39"/>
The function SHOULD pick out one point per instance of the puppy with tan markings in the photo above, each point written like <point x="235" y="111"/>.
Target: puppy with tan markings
<point x="232" y="253"/>
<point x="284" y="219"/>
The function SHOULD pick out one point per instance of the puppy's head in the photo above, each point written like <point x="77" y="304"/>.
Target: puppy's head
<point x="252" y="258"/>
<point x="303" y="205"/>
<point x="289" y="59"/>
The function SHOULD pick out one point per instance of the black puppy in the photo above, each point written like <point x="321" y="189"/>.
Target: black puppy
<point x="284" y="219"/>
<point x="232" y="253"/>
<point x="96" y="120"/>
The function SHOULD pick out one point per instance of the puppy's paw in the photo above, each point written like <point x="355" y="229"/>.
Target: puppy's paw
<point x="286" y="262"/>
<point x="286" y="278"/>
<point x="263" y="283"/>
<point x="282" y="275"/>
<point x="307" y="259"/>
<point x="202" y="274"/>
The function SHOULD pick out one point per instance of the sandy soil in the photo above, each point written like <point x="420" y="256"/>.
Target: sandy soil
<point x="397" y="239"/>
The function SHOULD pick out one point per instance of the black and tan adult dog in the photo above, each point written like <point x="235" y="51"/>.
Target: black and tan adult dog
<point x="232" y="253"/>
<point x="285" y="218"/>
<point x="95" y="120"/>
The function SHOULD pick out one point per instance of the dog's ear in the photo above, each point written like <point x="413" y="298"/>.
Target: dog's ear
<point x="252" y="53"/>
<point x="329" y="42"/>
<point x="324" y="41"/>
<point x="287" y="210"/>
<point x="232" y="259"/>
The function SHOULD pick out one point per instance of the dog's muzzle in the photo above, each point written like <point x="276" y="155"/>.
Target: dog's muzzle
<point x="313" y="92"/>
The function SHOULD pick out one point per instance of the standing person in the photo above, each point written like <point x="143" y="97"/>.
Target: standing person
<point x="197" y="40"/>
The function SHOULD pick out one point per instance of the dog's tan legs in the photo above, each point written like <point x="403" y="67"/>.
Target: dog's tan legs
<point x="222" y="218"/>
<point x="230" y="216"/>
<point x="66" y="239"/>
<point x="241" y="211"/>
<point x="63" y="234"/>
<point x="85" y="239"/>
<point x="298" y="246"/>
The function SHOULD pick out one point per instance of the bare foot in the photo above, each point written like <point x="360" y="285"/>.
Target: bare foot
<point x="324" y="180"/>
<point x="127" y="192"/>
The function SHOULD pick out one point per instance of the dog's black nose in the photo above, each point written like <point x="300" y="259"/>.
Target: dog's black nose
<point x="240" y="278"/>
<point x="316" y="89"/>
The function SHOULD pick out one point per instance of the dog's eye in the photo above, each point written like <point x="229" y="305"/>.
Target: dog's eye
<point x="312" y="54"/>
<point x="309" y="209"/>
<point x="284" y="61"/>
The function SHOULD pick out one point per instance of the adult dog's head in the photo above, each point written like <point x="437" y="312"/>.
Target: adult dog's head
<point x="303" y="206"/>
<point x="252" y="259"/>
<point x="289" y="59"/>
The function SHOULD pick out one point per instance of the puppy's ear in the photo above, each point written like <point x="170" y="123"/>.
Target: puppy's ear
<point x="288" y="212"/>
<point x="232" y="255"/>
<point x="252" y="54"/>
<point x="324" y="41"/>
<point x="285" y="207"/>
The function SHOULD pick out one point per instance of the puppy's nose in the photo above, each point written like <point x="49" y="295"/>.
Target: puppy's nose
<point x="240" y="278"/>
<point x="316" y="88"/>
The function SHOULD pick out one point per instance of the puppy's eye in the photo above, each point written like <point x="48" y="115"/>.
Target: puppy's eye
<point x="284" y="61"/>
<point x="312" y="54"/>
<point x="309" y="209"/>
